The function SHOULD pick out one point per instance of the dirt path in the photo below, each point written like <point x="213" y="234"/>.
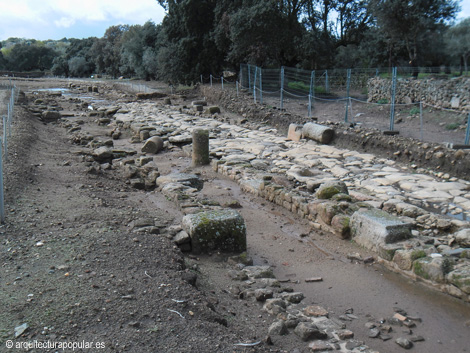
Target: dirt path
<point x="75" y="267"/>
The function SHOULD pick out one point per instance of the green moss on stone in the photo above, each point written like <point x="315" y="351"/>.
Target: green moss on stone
<point x="419" y="270"/>
<point x="417" y="254"/>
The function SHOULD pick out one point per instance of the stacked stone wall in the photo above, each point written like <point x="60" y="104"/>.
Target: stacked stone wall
<point x="451" y="93"/>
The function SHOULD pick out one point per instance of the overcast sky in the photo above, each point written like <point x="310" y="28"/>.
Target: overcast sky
<point x="56" y="19"/>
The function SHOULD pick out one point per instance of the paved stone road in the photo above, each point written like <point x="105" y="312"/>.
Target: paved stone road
<point x="434" y="205"/>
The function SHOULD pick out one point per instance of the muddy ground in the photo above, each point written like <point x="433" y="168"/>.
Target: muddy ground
<point x="74" y="267"/>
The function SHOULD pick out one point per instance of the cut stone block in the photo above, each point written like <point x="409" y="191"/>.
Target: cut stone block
<point x="223" y="230"/>
<point x="294" y="133"/>
<point x="373" y="228"/>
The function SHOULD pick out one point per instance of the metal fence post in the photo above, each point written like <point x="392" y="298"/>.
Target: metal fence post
<point x="309" y="105"/>
<point x="2" y="204"/>
<point x="312" y="89"/>
<point x="347" y="108"/>
<point x="222" y="80"/>
<point x="327" y="84"/>
<point x="5" y="137"/>
<point x="237" y="88"/>
<point x="421" y="120"/>
<point x="211" y="80"/>
<point x="254" y="84"/>
<point x="348" y="82"/>
<point x="282" y="87"/>
<point x="392" y="106"/>
<point x="467" y="135"/>
<point x="261" y="85"/>
<point x="249" y="77"/>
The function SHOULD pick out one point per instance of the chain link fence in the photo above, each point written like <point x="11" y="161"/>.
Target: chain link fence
<point x="8" y="97"/>
<point x="341" y="95"/>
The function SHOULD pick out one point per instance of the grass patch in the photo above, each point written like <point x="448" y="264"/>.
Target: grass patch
<point x="382" y="101"/>
<point x="452" y="126"/>
<point x="417" y="254"/>
<point x="303" y="87"/>
<point x="414" y="111"/>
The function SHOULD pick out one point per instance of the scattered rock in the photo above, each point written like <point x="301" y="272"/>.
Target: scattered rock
<point x="404" y="343"/>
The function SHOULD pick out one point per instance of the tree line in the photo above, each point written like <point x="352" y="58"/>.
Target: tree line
<point x="209" y="36"/>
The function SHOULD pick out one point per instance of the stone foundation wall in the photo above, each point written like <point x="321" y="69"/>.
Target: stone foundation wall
<point x="452" y="93"/>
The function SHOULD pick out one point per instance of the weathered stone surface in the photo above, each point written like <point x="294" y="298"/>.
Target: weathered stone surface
<point x="181" y="178"/>
<point x="319" y="133"/>
<point x="50" y="115"/>
<point x="320" y="346"/>
<point x="404" y="259"/>
<point x="153" y="145"/>
<point x="404" y="342"/>
<point x="430" y="268"/>
<point x="340" y="224"/>
<point x="103" y="154"/>
<point x="182" y="238"/>
<point x="295" y="297"/>
<point x="462" y="238"/>
<point x="278" y="328"/>
<point x="213" y="110"/>
<point x="294" y="133"/>
<point x="460" y="277"/>
<point x="274" y="306"/>
<point x="308" y="331"/>
<point x="152" y="95"/>
<point x="222" y="230"/>
<point x="180" y="139"/>
<point x="259" y="271"/>
<point x="261" y="294"/>
<point x="199" y="102"/>
<point x="371" y="228"/>
<point x="331" y="188"/>
<point x="200" y="150"/>
<point x="316" y="311"/>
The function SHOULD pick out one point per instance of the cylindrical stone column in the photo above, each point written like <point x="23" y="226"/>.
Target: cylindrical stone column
<point x="200" y="155"/>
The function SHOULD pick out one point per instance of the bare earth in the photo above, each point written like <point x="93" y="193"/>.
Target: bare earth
<point x="75" y="269"/>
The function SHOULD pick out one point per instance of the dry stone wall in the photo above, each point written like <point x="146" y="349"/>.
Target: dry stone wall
<point x="452" y="93"/>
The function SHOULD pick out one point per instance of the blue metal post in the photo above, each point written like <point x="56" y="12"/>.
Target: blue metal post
<point x="467" y="135"/>
<point x="327" y="84"/>
<point x="421" y="120"/>
<point x="309" y="105"/>
<point x="222" y="80"/>
<point x="392" y="107"/>
<point x="5" y="137"/>
<point x="249" y="77"/>
<point x="254" y="84"/>
<point x="2" y="205"/>
<point x="261" y="85"/>
<point x="282" y="87"/>
<point x="211" y="80"/>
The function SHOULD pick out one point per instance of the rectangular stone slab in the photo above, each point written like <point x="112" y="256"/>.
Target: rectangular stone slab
<point x="223" y="230"/>
<point x="374" y="228"/>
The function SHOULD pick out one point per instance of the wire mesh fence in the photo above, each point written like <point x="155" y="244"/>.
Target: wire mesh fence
<point x="341" y="95"/>
<point x="8" y="98"/>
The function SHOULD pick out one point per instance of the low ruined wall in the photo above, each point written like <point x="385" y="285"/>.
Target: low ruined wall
<point x="452" y="93"/>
